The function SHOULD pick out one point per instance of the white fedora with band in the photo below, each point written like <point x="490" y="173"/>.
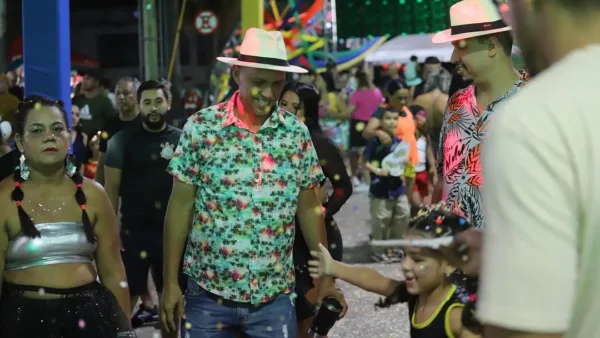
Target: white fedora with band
<point x="472" y="18"/>
<point x="264" y="50"/>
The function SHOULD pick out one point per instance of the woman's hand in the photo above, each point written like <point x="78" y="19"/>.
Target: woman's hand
<point x="322" y="265"/>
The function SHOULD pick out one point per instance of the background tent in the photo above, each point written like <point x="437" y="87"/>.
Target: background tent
<point x="401" y="48"/>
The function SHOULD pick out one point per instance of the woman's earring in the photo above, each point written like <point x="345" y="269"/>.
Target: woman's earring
<point x="24" y="169"/>
<point x="70" y="168"/>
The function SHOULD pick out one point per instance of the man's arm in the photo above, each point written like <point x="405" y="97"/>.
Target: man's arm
<point x="103" y="147"/>
<point x="112" y="186"/>
<point x="178" y="223"/>
<point x="438" y="188"/>
<point x="531" y="213"/>
<point x="185" y="168"/>
<point x="114" y="161"/>
<point x="495" y="332"/>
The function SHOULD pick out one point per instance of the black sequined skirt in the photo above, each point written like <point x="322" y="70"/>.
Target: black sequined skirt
<point x="89" y="311"/>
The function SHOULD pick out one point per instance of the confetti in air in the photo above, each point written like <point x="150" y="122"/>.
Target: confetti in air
<point x="188" y="325"/>
<point x="360" y="126"/>
<point x="278" y="267"/>
<point x="255" y="91"/>
<point x="42" y="291"/>
<point x="82" y="324"/>
<point x="105" y="135"/>
<point x="123" y="284"/>
<point x="336" y="177"/>
<point x="157" y="205"/>
<point x="143" y="254"/>
<point x="219" y="326"/>
<point x="37" y="106"/>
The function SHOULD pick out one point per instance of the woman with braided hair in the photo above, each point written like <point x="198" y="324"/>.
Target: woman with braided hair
<point x="54" y="225"/>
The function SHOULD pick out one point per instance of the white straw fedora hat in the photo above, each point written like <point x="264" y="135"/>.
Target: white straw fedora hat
<point x="471" y="18"/>
<point x="265" y="50"/>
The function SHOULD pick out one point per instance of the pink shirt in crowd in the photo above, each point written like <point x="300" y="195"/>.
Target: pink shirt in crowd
<point x="366" y="102"/>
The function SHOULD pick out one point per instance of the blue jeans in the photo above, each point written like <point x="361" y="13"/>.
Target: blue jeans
<point x="209" y="317"/>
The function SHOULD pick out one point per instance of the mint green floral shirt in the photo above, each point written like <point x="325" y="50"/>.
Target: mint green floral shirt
<point x="241" y="243"/>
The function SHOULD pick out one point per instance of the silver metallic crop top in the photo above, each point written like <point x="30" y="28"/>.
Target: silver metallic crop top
<point x="60" y="243"/>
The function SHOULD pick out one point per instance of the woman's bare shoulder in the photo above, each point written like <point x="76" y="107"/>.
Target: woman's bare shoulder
<point x="6" y="188"/>
<point x="92" y="189"/>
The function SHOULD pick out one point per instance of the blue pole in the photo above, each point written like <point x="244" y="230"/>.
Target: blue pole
<point x="47" y="50"/>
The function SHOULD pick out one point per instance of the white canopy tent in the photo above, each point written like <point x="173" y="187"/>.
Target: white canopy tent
<point x="401" y="48"/>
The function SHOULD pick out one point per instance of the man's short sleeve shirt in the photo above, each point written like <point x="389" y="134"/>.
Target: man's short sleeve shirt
<point x="240" y="245"/>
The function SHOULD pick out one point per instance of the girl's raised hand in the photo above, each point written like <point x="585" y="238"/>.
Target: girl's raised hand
<point x="322" y="264"/>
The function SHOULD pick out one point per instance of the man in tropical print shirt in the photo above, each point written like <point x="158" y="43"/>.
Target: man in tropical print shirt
<point x="485" y="55"/>
<point x="243" y="169"/>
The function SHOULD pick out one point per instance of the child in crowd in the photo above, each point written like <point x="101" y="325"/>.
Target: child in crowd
<point x="426" y="164"/>
<point x="89" y="166"/>
<point x="440" y="304"/>
<point x="390" y="208"/>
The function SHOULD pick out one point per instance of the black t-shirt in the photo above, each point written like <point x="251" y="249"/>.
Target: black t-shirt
<point x="383" y="187"/>
<point x="112" y="127"/>
<point x="146" y="186"/>
<point x="8" y="163"/>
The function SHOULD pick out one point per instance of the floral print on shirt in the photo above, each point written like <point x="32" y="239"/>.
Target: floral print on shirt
<point x="459" y="165"/>
<point x="240" y="245"/>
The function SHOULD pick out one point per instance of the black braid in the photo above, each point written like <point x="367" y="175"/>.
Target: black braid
<point x="81" y="200"/>
<point x="27" y="225"/>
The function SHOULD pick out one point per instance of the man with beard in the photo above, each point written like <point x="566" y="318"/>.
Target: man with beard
<point x="95" y="107"/>
<point x="135" y="169"/>
<point x="482" y="47"/>
<point x="541" y="245"/>
<point x="127" y="114"/>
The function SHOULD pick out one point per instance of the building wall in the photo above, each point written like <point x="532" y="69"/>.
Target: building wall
<point x="110" y="37"/>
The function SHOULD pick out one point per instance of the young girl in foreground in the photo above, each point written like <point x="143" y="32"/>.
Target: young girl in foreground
<point x="436" y="302"/>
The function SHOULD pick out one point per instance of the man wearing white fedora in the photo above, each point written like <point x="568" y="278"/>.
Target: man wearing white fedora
<point x="482" y="47"/>
<point x="242" y="170"/>
<point x="542" y="241"/>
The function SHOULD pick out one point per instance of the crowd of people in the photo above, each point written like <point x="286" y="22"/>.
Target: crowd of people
<point x="233" y="215"/>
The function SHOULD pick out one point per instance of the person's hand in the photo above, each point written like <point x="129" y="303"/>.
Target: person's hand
<point x="331" y="290"/>
<point x="322" y="265"/>
<point x="434" y="176"/>
<point x="383" y="172"/>
<point x="171" y="307"/>
<point x="465" y="251"/>
<point x="384" y="137"/>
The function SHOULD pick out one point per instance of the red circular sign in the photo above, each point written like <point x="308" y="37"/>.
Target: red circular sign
<point x="206" y="22"/>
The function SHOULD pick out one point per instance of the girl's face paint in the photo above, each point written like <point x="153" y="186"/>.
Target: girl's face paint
<point x="422" y="269"/>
